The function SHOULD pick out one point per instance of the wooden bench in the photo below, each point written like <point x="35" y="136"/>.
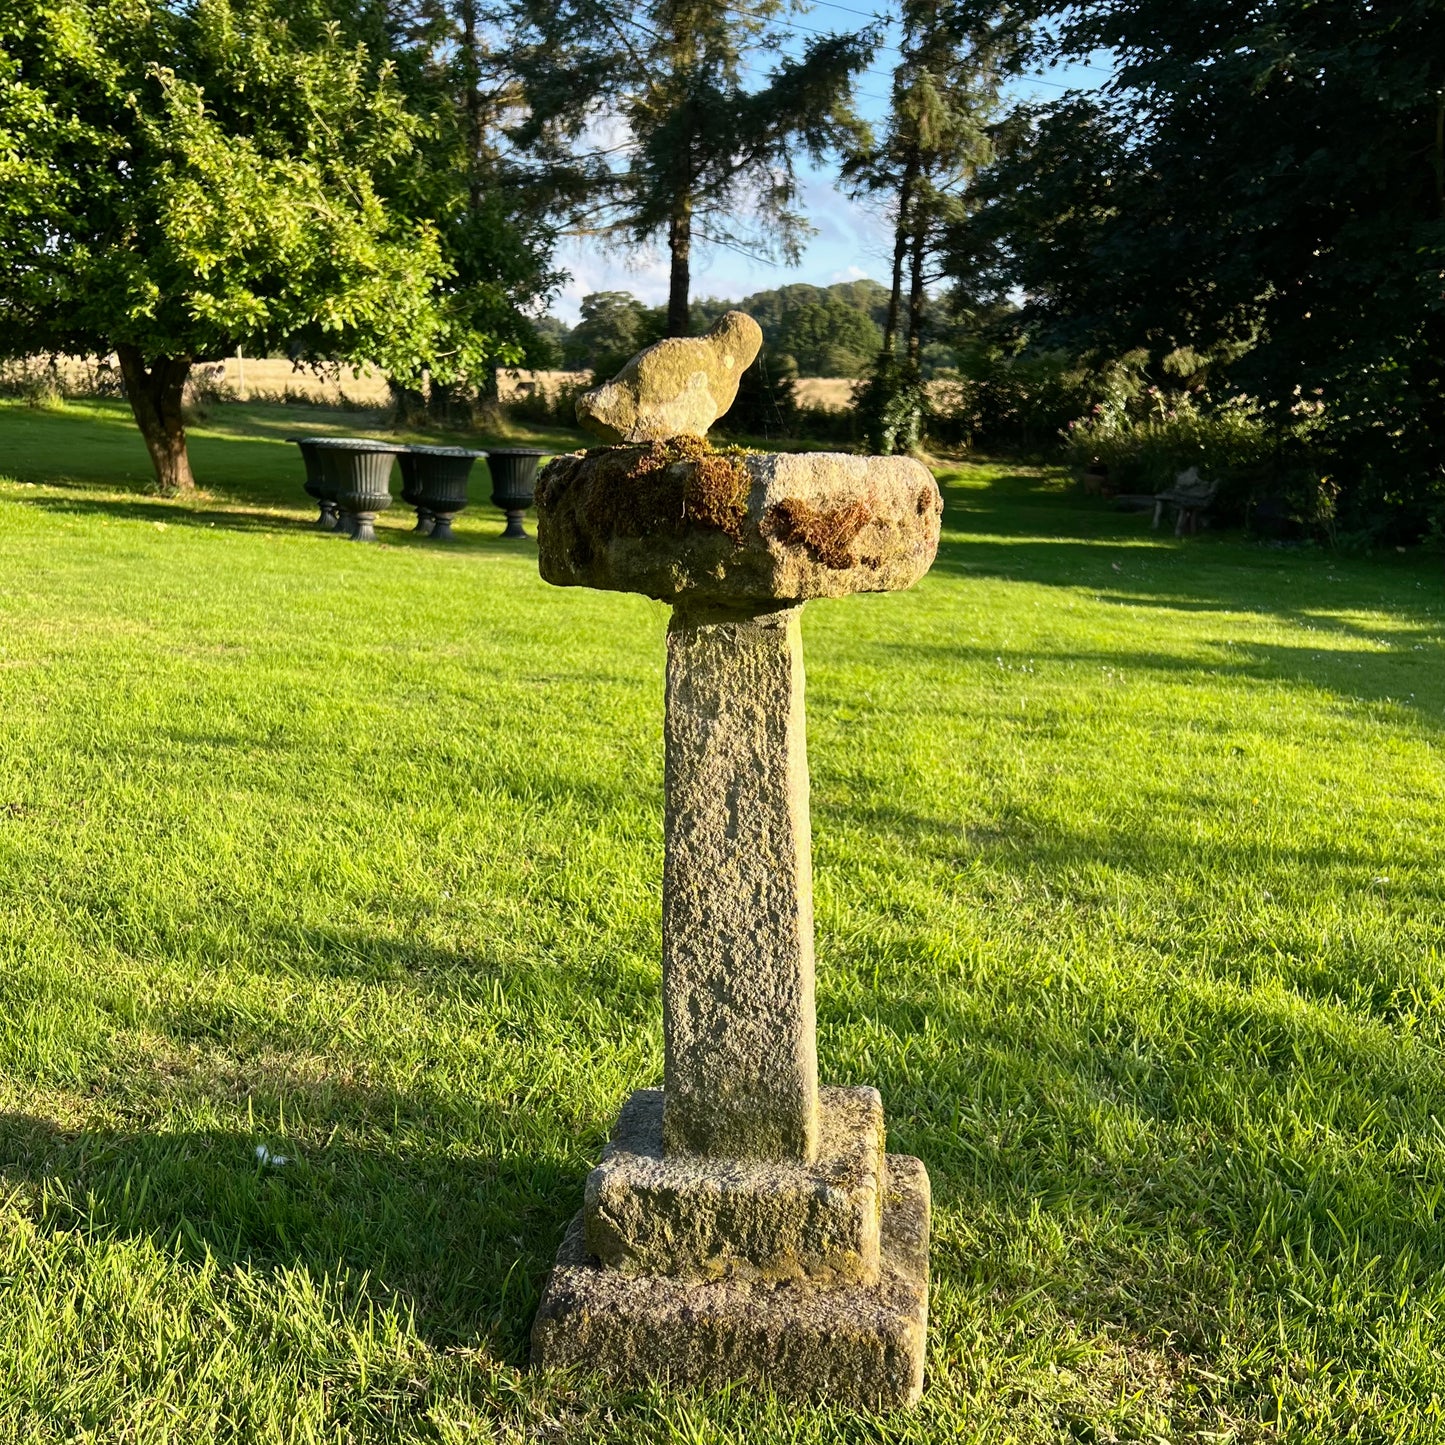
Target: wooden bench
<point x="1190" y="497"/>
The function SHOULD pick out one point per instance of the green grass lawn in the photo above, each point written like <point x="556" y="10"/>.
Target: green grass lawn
<point x="1129" y="886"/>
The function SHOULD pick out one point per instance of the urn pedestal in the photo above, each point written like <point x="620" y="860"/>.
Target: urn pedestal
<point x="360" y="470"/>
<point x="411" y="492"/>
<point x="318" y="482"/>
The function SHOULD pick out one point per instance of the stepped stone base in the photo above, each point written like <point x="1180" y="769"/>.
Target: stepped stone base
<point x="857" y="1344"/>
<point x="700" y="1217"/>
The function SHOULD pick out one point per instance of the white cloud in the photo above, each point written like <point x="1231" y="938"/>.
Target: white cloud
<point x="598" y="266"/>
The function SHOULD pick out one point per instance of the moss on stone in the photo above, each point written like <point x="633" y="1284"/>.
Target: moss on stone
<point x="827" y="532"/>
<point x="665" y="487"/>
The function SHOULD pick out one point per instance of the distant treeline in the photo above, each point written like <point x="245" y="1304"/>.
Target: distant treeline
<point x="832" y="330"/>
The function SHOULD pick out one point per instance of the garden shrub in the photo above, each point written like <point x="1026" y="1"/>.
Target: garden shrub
<point x="892" y="405"/>
<point x="998" y="400"/>
<point x="1144" y="453"/>
<point x="554" y="405"/>
<point x="38" y="382"/>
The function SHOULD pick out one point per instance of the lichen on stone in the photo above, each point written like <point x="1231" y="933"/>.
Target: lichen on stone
<point x="827" y="532"/>
<point x="678" y="520"/>
<point x="665" y="487"/>
<point x="676" y="387"/>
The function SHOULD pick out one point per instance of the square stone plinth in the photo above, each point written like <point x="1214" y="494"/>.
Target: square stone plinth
<point x="859" y="1345"/>
<point x="647" y="1212"/>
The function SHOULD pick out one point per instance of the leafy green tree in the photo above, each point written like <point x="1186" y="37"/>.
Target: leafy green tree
<point x="827" y="330"/>
<point x="177" y="181"/>
<point x="771" y="308"/>
<point x="614" y="326"/>
<point x="546" y="352"/>
<point x="829" y="338"/>
<point x="1262" y="186"/>
<point x="495" y="223"/>
<point x="674" y="144"/>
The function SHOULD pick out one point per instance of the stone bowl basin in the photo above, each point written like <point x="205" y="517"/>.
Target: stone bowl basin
<point x="679" y="522"/>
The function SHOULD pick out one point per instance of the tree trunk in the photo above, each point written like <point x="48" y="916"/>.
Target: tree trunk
<point x="488" y="403"/>
<point x="409" y="406"/>
<point x="155" y="398"/>
<point x="915" y="290"/>
<point x="900" y="251"/>
<point x="472" y="79"/>
<point x="679" y="242"/>
<point x="1440" y="158"/>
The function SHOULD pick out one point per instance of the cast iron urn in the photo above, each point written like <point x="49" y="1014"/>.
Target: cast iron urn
<point x="434" y="481"/>
<point x="360" y="470"/>
<point x="411" y="491"/>
<point x="514" y="480"/>
<point x="318" y="482"/>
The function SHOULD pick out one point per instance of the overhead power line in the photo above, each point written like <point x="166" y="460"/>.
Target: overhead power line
<point x="849" y="10"/>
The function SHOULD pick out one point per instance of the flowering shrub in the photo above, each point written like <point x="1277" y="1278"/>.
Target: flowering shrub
<point x="1146" y="446"/>
<point x="1146" y="435"/>
<point x="997" y="400"/>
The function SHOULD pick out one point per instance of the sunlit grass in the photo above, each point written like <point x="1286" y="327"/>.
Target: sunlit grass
<point x="1129" y="879"/>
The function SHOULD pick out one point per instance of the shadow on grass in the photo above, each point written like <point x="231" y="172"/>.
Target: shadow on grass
<point x="1163" y="1157"/>
<point x="1409" y="675"/>
<point x="1023" y="842"/>
<point x="1159" y="1171"/>
<point x="1026" y="527"/>
<point x="240" y="452"/>
<point x="461" y="1239"/>
<point x="160" y="509"/>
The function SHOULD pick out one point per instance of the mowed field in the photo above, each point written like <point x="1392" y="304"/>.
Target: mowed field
<point x="1130" y="901"/>
<point x="274" y="380"/>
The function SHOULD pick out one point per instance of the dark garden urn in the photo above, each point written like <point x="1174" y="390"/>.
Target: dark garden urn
<point x="411" y="490"/>
<point x="1096" y="480"/>
<point x="514" y="479"/>
<point x="434" y="481"/>
<point x="360" y="470"/>
<point x="318" y="480"/>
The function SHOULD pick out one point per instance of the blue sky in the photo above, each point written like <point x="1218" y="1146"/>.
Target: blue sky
<point x="852" y="238"/>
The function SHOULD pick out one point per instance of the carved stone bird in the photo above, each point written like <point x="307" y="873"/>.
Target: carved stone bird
<point x="677" y="386"/>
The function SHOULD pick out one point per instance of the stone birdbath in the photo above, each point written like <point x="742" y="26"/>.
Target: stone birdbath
<point x="743" y="1224"/>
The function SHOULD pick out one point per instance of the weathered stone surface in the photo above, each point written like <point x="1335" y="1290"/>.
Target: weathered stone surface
<point x="742" y="1225"/>
<point x="720" y="1218"/>
<point x="736" y="529"/>
<point x="741" y="1068"/>
<point x="860" y="1345"/>
<point x="675" y="387"/>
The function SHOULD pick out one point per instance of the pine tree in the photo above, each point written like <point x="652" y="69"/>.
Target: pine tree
<point x="945" y="92"/>
<point x="645" y="112"/>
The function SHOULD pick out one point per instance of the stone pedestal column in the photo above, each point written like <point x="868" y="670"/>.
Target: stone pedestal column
<point x="737" y="894"/>
<point x="743" y="1224"/>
